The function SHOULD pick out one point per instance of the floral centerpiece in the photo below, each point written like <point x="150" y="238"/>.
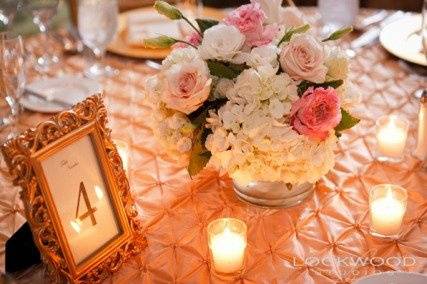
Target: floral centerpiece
<point x="255" y="95"/>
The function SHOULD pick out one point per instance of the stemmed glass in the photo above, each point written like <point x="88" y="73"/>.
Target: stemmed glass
<point x="8" y="10"/>
<point x="12" y="78"/>
<point x="423" y="34"/>
<point x="43" y="11"/>
<point x="97" y="24"/>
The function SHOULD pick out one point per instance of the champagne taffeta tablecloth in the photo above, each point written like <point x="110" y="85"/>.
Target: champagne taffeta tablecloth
<point x="324" y="240"/>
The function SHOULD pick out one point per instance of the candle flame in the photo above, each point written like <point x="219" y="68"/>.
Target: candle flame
<point x="99" y="193"/>
<point x="389" y="194"/>
<point x="75" y="224"/>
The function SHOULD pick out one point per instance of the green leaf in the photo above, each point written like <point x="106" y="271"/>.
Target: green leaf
<point x="159" y="42"/>
<point x="205" y="24"/>
<point x="299" y="30"/>
<point x="225" y="70"/>
<point x="347" y="122"/>
<point x="199" y="155"/>
<point x="168" y="10"/>
<point x="304" y="85"/>
<point x="339" y="34"/>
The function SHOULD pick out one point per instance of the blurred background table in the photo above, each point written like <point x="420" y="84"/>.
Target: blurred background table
<point x="283" y="244"/>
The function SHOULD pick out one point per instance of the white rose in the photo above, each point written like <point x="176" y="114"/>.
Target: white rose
<point x="266" y="55"/>
<point x="186" y="81"/>
<point x="303" y="59"/>
<point x="337" y="64"/>
<point x="291" y="17"/>
<point x="221" y="42"/>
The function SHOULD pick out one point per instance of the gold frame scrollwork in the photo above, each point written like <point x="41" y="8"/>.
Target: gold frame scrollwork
<point x="21" y="155"/>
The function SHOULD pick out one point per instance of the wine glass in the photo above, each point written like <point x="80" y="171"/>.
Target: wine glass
<point x="97" y="24"/>
<point x="8" y="10"/>
<point x="43" y="11"/>
<point x="12" y="78"/>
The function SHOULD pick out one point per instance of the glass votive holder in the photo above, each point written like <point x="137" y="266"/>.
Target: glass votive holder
<point x="123" y="150"/>
<point x="227" y="242"/>
<point x="387" y="206"/>
<point x="391" y="133"/>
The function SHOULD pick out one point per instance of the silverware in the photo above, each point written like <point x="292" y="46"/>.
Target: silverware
<point x="371" y="20"/>
<point x="153" y="64"/>
<point x="372" y="34"/>
<point x="47" y="98"/>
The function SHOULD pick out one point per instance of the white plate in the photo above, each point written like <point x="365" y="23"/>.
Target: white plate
<point x="68" y="89"/>
<point x="394" y="278"/>
<point x="402" y="39"/>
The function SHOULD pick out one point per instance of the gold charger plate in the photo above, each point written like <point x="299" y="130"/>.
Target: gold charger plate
<point x="119" y="45"/>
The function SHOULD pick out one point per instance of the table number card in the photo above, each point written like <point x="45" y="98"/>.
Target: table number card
<point x="76" y="194"/>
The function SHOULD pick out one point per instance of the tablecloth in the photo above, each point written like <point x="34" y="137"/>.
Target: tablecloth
<point x="323" y="240"/>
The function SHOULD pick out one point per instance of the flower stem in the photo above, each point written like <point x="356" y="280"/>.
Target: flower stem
<point x="186" y="42"/>
<point x="191" y="24"/>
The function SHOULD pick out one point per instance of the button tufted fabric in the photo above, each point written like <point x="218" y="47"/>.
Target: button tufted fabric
<point x="324" y="240"/>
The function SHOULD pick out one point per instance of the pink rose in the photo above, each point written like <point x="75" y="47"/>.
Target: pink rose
<point x="303" y="59"/>
<point x="249" y="19"/>
<point x="316" y="113"/>
<point x="186" y="81"/>
<point x="194" y="38"/>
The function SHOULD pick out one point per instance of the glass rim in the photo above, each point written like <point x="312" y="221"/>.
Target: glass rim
<point x="9" y="36"/>
<point x="228" y="220"/>
<point x="399" y="120"/>
<point x="401" y="189"/>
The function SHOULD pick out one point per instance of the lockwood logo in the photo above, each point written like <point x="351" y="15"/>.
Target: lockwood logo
<point x="350" y="261"/>
<point x="349" y="266"/>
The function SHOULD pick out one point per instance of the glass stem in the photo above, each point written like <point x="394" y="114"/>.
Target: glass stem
<point x="99" y="55"/>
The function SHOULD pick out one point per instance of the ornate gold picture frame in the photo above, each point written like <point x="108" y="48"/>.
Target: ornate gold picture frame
<point x="76" y="194"/>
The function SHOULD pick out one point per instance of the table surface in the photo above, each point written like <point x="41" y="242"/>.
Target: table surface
<point x="324" y="240"/>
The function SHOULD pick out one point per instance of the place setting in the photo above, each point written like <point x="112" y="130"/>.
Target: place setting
<point x="197" y="142"/>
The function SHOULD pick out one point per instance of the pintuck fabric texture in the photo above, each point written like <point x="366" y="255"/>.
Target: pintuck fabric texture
<point x="324" y="240"/>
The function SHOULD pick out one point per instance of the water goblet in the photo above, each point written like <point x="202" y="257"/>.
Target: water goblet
<point x="337" y="14"/>
<point x="97" y="25"/>
<point x="8" y="10"/>
<point x="12" y="79"/>
<point x="43" y="11"/>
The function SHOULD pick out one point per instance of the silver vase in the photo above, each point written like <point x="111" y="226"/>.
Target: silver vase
<point x="273" y="194"/>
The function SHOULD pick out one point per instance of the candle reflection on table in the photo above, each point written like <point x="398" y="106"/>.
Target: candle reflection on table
<point x="123" y="150"/>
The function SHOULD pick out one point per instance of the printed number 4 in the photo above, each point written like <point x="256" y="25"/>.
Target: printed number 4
<point x="90" y="210"/>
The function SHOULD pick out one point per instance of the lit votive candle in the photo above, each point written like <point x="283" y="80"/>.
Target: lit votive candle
<point x="123" y="150"/>
<point x="387" y="205"/>
<point x="227" y="243"/>
<point x="392" y="132"/>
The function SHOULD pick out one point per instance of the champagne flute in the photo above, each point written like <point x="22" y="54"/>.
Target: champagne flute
<point x="43" y="11"/>
<point x="97" y="24"/>
<point x="12" y="78"/>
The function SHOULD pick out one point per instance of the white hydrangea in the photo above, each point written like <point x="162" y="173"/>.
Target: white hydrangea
<point x="252" y="137"/>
